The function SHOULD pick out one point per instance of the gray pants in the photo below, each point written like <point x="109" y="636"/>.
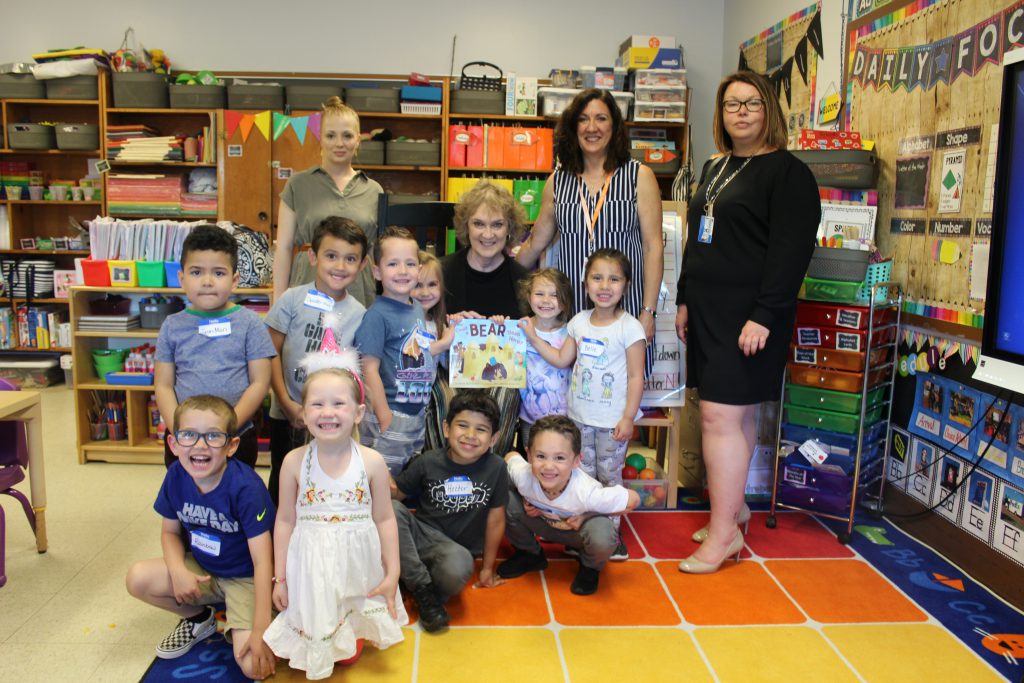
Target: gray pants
<point x="596" y="539"/>
<point x="429" y="557"/>
<point x="602" y="456"/>
<point x="402" y="440"/>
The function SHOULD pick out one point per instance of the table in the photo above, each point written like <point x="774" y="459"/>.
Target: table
<point x="26" y="406"/>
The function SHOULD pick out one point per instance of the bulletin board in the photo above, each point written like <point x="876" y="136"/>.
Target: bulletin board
<point x="787" y="53"/>
<point x="924" y="83"/>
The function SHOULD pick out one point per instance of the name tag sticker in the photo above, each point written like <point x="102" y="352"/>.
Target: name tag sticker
<point x="215" y="327"/>
<point x="458" y="487"/>
<point x="424" y="339"/>
<point x="591" y="347"/>
<point x="319" y="301"/>
<point x="206" y="543"/>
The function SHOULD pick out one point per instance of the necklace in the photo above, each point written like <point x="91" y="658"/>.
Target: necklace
<point x="709" y="199"/>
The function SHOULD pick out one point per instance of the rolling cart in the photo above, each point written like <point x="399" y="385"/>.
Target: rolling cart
<point x="836" y="405"/>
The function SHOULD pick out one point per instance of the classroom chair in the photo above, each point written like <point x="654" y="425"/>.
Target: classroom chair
<point x="13" y="462"/>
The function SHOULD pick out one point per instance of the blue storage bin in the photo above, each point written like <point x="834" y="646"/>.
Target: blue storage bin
<point x="844" y="443"/>
<point x="172" y="268"/>
<point x="421" y="93"/>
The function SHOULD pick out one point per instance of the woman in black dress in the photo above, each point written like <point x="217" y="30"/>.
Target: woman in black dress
<point x="750" y="234"/>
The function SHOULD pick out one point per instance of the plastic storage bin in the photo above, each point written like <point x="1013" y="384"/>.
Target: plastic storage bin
<point x="108" y="360"/>
<point x="876" y="273"/>
<point x="370" y="152"/>
<point x="384" y="100"/>
<point x="833" y="443"/>
<point x="845" y="423"/>
<point x="478" y="101"/>
<point x="152" y="316"/>
<point x="659" y="93"/>
<point x="653" y="492"/>
<point x="564" y="78"/>
<point x="835" y="359"/>
<point x="850" y="317"/>
<point x="604" y="77"/>
<point x="830" y="290"/>
<point x="843" y="340"/>
<point x="830" y="263"/>
<point x="624" y="100"/>
<point x="123" y="273"/>
<point x="31" y="136"/>
<point x="311" y="97"/>
<point x="674" y="112"/>
<point x="140" y="90"/>
<point x="171" y="268"/>
<point x="31" y="372"/>
<point x="72" y="88"/>
<point x="77" y="136"/>
<point x="659" y="77"/>
<point x="151" y="273"/>
<point x="96" y="273"/>
<point x="854" y="169"/>
<point x="837" y="380"/>
<point x="409" y="153"/>
<point x="256" y="97"/>
<point x="197" y="96"/>
<point x="553" y="101"/>
<point x="826" y="399"/>
<point x="21" y="87"/>
<point x="657" y="159"/>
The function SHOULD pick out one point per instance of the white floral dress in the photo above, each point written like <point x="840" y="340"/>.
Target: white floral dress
<point x="334" y="560"/>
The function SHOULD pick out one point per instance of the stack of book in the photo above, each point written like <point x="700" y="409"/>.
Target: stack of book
<point x="199" y="204"/>
<point x="6" y="329"/>
<point x="144" y="194"/>
<point x="141" y="143"/>
<point x="108" y="323"/>
<point x="43" y="327"/>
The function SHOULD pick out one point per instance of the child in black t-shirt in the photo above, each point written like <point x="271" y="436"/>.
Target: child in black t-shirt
<point x="462" y="493"/>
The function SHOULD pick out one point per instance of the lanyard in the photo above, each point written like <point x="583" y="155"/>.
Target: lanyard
<point x="591" y="221"/>
<point x="709" y="200"/>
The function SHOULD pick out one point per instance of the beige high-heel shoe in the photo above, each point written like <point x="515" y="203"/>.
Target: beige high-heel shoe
<point x="701" y="535"/>
<point x="692" y="565"/>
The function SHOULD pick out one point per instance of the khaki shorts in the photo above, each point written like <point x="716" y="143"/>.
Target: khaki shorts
<point x="238" y="594"/>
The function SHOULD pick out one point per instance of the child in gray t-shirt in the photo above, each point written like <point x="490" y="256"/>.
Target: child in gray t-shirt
<point x="299" y="323"/>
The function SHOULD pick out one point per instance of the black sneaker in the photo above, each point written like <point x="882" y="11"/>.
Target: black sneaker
<point x="570" y="551"/>
<point x="433" y="615"/>
<point x="620" y="554"/>
<point x="186" y="634"/>
<point x="522" y="562"/>
<point x="585" y="582"/>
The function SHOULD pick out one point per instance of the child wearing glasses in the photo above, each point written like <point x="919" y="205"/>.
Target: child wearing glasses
<point x="227" y="518"/>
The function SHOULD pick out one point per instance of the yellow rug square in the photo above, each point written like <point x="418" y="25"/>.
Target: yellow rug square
<point x="908" y="652"/>
<point x="739" y="593"/>
<point x="768" y="654"/>
<point x="495" y="655"/>
<point x="652" y="655"/>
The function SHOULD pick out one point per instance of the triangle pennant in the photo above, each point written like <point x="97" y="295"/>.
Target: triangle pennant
<point x="787" y="80"/>
<point x="800" y="57"/>
<point x="814" y="34"/>
<point x="314" y="124"/>
<point x="299" y="124"/>
<point x="231" y="121"/>
<point x="743" y="66"/>
<point x="263" y="124"/>
<point x="246" y="126"/>
<point x="281" y="123"/>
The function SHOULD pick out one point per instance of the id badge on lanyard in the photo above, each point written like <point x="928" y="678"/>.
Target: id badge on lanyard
<point x="707" y="226"/>
<point x="591" y="220"/>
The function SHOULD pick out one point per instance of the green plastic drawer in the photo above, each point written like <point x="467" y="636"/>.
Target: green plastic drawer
<point x="830" y="290"/>
<point x="825" y="399"/>
<point x="826" y="419"/>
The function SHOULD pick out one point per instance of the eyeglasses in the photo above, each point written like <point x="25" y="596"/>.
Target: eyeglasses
<point x="187" y="438"/>
<point x="753" y="106"/>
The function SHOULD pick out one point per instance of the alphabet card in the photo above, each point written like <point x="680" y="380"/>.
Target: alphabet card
<point x="899" y="453"/>
<point x="978" y="508"/>
<point x="1009" y="531"/>
<point x="487" y="354"/>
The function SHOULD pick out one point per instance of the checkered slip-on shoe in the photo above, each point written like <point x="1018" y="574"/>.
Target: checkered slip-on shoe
<point x="185" y="635"/>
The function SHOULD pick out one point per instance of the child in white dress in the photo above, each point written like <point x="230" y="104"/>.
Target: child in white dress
<point x="335" y="540"/>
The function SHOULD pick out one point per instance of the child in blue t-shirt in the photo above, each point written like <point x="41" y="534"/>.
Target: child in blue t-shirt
<point x="227" y="516"/>
<point x="398" y="353"/>
<point x="214" y="346"/>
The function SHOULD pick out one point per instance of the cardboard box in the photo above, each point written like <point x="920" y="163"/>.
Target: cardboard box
<point x="651" y="58"/>
<point x="647" y="41"/>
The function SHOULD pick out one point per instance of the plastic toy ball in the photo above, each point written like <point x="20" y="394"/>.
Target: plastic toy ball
<point x="659" y="493"/>
<point x="629" y="472"/>
<point x="636" y="460"/>
<point x="650" y="501"/>
<point x="648" y="473"/>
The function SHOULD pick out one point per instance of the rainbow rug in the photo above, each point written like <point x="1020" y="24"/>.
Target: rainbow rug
<point x="798" y="606"/>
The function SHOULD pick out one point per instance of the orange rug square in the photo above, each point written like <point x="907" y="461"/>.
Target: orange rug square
<point x="736" y="594"/>
<point x="666" y="535"/>
<point x="796" y="535"/>
<point x="629" y="594"/>
<point x="843" y="591"/>
<point x="517" y="602"/>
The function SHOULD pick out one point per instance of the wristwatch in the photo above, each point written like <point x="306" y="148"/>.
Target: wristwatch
<point x="648" y="309"/>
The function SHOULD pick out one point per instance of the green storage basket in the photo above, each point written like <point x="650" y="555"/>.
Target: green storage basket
<point x="877" y="272"/>
<point x="151" y="273"/>
<point x="827" y="399"/>
<point x="835" y="291"/>
<point x="829" y="420"/>
<point x="108" y="360"/>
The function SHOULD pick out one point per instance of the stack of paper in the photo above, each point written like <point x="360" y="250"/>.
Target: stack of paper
<point x="109" y="323"/>
<point x="157" y="195"/>
<point x="141" y="143"/>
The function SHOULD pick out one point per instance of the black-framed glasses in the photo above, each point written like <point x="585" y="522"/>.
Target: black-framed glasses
<point x="187" y="437"/>
<point x="753" y="105"/>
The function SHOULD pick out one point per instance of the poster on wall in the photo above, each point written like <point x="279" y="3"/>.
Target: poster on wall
<point x="1008" y="537"/>
<point x="962" y="409"/>
<point x="912" y="182"/>
<point x="994" y="444"/>
<point x="978" y="508"/>
<point x="843" y="224"/>
<point x="951" y="181"/>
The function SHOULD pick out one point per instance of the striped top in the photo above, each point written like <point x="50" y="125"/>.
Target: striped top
<point x="618" y="227"/>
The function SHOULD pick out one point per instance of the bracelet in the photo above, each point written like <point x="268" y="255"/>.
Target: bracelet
<point x="648" y="309"/>
<point x="274" y="579"/>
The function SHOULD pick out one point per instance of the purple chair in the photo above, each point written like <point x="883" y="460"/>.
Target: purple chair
<point x="13" y="461"/>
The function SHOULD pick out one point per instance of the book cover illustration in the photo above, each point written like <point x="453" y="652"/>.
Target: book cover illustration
<point x="487" y="354"/>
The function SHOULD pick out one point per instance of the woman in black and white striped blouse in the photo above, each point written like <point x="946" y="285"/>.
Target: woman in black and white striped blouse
<point x="599" y="197"/>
